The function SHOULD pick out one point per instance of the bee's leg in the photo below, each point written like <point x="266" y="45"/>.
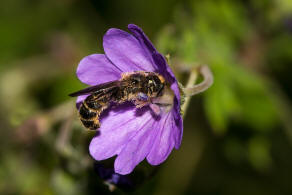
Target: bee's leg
<point x="140" y="104"/>
<point x="156" y="109"/>
<point x="142" y="100"/>
<point x="143" y="97"/>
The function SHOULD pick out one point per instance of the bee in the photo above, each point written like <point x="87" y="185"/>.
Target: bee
<point x="139" y="87"/>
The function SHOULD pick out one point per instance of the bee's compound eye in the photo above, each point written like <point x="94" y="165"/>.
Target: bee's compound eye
<point x="142" y="96"/>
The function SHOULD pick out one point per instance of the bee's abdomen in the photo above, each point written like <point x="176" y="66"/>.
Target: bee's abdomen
<point x="91" y="124"/>
<point x="89" y="113"/>
<point x="86" y="113"/>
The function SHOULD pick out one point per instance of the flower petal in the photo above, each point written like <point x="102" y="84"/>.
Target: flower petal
<point x="137" y="148"/>
<point x="164" y="142"/>
<point x="163" y="67"/>
<point x="143" y="39"/>
<point x="96" y="69"/>
<point x="169" y="75"/>
<point x="178" y="124"/>
<point x="178" y="131"/>
<point x="118" y="126"/>
<point x="126" y="52"/>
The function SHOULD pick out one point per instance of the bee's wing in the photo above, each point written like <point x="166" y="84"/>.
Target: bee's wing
<point x="96" y="88"/>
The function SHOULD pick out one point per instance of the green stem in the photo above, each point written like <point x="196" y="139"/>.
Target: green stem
<point x="192" y="79"/>
<point x="192" y="89"/>
<point x="204" y="85"/>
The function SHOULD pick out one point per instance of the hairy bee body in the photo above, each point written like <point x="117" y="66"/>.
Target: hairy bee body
<point x="90" y="110"/>
<point x="138" y="87"/>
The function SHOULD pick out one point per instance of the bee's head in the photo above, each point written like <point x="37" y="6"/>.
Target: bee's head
<point x="155" y="84"/>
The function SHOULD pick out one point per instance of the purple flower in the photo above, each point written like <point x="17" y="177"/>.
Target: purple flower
<point x="131" y="133"/>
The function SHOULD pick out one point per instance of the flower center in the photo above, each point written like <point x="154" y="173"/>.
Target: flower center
<point x="163" y="103"/>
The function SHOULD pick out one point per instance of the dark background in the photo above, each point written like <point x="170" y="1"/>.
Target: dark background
<point x="237" y="135"/>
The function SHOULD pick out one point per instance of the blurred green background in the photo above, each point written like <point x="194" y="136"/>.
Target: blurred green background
<point x="237" y="135"/>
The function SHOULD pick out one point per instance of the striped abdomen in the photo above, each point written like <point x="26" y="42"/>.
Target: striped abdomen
<point x="92" y="107"/>
<point x="90" y="110"/>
